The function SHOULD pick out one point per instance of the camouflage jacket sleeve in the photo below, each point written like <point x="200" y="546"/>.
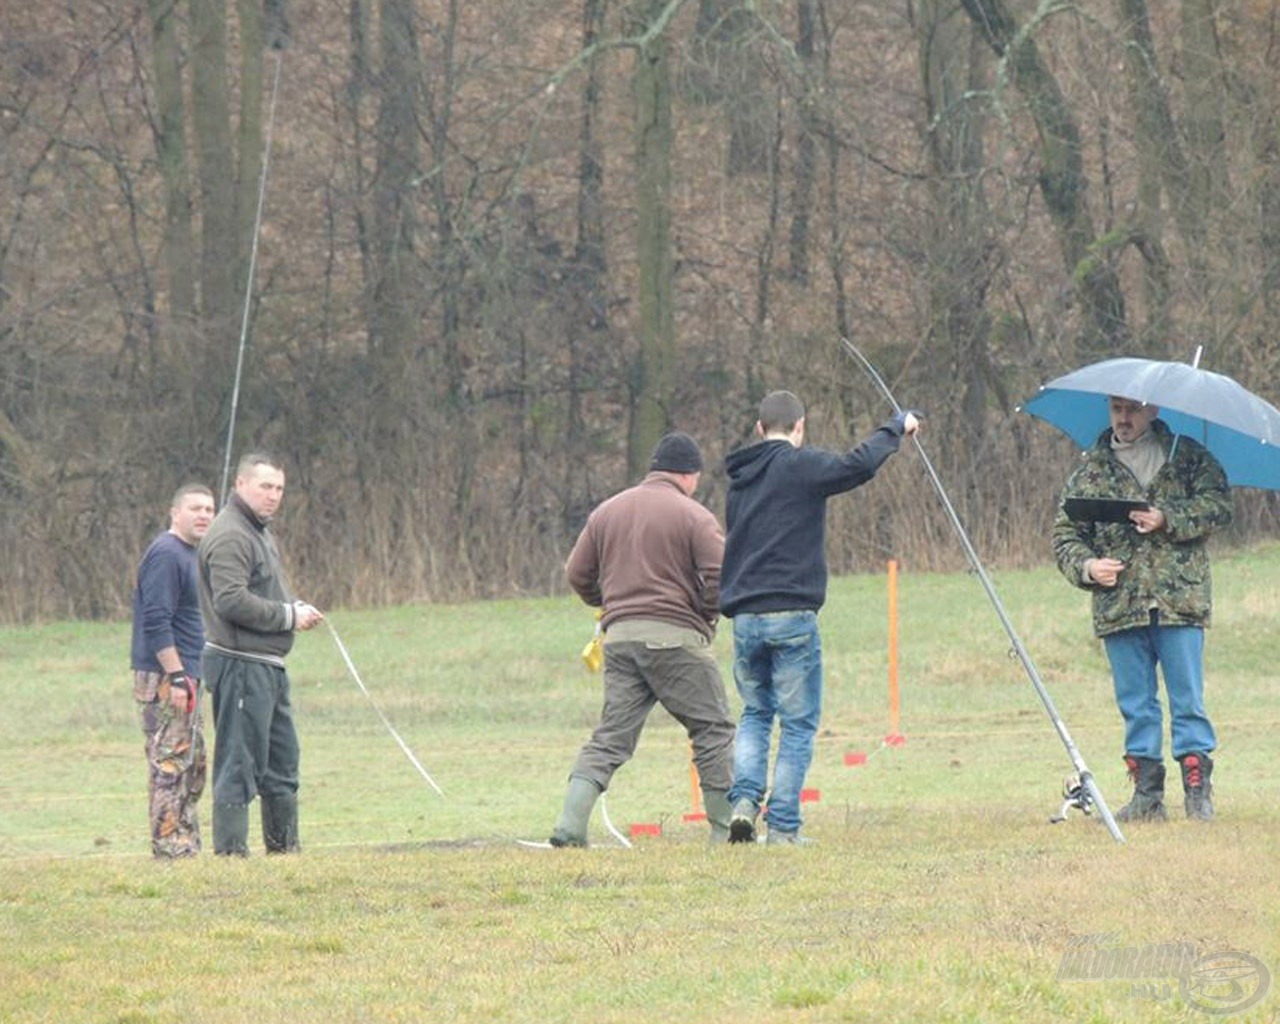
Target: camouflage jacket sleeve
<point x="1074" y="543"/>
<point x="1200" y="500"/>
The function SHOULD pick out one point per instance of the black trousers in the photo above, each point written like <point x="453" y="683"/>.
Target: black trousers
<point x="255" y="746"/>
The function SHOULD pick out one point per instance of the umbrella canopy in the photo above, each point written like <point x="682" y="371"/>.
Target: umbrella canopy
<point x="1239" y="428"/>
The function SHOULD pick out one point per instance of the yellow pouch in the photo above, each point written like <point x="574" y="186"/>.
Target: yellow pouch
<point x="593" y="653"/>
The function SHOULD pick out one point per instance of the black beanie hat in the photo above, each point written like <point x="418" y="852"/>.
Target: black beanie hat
<point x="677" y="453"/>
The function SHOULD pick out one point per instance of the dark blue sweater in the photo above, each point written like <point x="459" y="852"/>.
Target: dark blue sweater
<point x="166" y="606"/>
<point x="775" y="557"/>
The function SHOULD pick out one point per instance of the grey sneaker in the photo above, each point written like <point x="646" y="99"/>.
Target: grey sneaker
<point x="742" y="822"/>
<point x="779" y="838"/>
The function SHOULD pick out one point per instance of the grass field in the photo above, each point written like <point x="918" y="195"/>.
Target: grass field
<point x="937" y="892"/>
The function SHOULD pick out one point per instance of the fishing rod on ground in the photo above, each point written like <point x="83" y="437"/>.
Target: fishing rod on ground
<point x="1083" y="792"/>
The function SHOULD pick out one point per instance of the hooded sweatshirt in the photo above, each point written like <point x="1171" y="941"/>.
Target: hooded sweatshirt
<point x="775" y="556"/>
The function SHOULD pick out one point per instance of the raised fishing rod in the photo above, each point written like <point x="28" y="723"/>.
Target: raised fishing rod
<point x="1088" y="785"/>
<point x="248" y="291"/>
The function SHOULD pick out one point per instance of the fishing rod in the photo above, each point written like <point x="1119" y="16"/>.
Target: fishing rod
<point x="248" y="291"/>
<point x="235" y="403"/>
<point x="351" y="667"/>
<point x="1087" y="793"/>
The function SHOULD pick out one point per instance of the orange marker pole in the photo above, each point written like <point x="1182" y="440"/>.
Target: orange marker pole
<point x="894" y="705"/>
<point x="695" y="792"/>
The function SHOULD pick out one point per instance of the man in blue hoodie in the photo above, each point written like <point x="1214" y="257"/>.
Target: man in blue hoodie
<point x="773" y="582"/>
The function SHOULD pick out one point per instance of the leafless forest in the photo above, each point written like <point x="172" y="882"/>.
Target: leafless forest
<point x="505" y="245"/>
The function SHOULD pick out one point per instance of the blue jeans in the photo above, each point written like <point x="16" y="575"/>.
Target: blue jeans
<point x="1179" y="651"/>
<point x="777" y="664"/>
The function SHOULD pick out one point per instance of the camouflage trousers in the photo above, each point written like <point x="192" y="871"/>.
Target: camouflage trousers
<point x="176" y="767"/>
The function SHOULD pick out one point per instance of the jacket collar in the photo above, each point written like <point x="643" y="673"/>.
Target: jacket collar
<point x="241" y="506"/>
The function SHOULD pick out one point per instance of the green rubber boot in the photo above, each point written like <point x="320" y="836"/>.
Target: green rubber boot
<point x="579" y="799"/>
<point x="231" y="830"/>
<point x="280" y="824"/>
<point x="716" y="804"/>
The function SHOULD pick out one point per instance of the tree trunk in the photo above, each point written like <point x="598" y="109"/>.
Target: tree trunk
<point x="959" y="267"/>
<point x="654" y="369"/>
<point x="250" y="137"/>
<point x="590" y="270"/>
<point x="806" y="148"/>
<point x="1062" y="178"/>
<point x="726" y="72"/>
<point x="171" y="150"/>
<point x="589" y="254"/>
<point x="1162" y="160"/>
<point x="1202" y="75"/>
<point x="396" y="290"/>
<point x="219" y="256"/>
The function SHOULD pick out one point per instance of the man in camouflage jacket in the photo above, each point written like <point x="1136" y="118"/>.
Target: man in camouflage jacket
<point x="1150" y="582"/>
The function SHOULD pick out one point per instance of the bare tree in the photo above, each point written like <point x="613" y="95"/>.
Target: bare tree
<point x="805" y="173"/>
<point x="654" y="369"/>
<point x="961" y="256"/>
<point x="1063" y="180"/>
<point x="726" y="69"/>
<point x="171" y="147"/>
<point x="396" y="288"/>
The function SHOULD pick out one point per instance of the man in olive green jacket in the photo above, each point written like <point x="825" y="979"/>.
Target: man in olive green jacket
<point x="1150" y="582"/>
<point x="250" y="617"/>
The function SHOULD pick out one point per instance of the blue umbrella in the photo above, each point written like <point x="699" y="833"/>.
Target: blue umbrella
<point x="1239" y="428"/>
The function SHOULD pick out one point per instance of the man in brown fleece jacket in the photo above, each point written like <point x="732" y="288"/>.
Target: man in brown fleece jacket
<point x="650" y="557"/>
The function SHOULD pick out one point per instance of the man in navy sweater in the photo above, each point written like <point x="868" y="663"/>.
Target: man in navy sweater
<point x="773" y="583"/>
<point x="168" y="637"/>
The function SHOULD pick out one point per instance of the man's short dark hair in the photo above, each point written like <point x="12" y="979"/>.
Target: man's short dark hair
<point x="780" y="410"/>
<point x="253" y="459"/>
<point x="189" y="488"/>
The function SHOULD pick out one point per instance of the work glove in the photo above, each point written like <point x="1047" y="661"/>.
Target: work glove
<point x="180" y="682"/>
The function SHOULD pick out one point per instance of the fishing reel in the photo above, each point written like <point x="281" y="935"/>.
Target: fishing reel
<point x="1074" y="794"/>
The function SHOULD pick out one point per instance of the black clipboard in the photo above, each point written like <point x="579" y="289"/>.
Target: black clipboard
<point x="1102" y="510"/>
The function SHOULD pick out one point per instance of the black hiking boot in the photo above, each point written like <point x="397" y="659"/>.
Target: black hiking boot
<point x="1197" y="769"/>
<point x="1147" y="803"/>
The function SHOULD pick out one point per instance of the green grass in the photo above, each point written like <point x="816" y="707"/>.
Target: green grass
<point x="938" y="891"/>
